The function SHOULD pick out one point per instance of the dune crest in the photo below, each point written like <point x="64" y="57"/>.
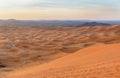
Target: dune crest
<point x="100" y="61"/>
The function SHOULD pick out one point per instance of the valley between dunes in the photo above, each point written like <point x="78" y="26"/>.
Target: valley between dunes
<point x="60" y="52"/>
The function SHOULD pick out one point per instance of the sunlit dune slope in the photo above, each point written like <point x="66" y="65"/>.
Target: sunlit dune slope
<point x="99" y="61"/>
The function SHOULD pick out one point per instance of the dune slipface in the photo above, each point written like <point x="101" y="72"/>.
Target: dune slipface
<point x="99" y="61"/>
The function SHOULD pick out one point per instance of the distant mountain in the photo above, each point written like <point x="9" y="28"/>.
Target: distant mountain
<point x="95" y="24"/>
<point x="109" y="21"/>
<point x="48" y="23"/>
<point x="54" y="23"/>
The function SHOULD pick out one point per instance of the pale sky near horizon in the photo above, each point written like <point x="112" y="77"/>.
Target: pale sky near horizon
<point x="60" y="9"/>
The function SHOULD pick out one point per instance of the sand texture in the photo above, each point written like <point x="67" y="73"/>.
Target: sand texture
<point x="60" y="52"/>
<point x="100" y="61"/>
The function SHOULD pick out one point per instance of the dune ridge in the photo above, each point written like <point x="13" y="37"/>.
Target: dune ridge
<point x="100" y="61"/>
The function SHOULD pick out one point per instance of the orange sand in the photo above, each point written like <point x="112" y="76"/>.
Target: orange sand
<point x="99" y="61"/>
<point x="27" y="46"/>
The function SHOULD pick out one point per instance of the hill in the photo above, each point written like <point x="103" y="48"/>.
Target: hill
<point x="56" y="23"/>
<point x="95" y="24"/>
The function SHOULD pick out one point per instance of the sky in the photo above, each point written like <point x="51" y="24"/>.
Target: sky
<point x="60" y="9"/>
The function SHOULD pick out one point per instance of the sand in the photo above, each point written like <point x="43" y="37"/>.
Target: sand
<point x="64" y="50"/>
<point x="26" y="46"/>
<point x="99" y="61"/>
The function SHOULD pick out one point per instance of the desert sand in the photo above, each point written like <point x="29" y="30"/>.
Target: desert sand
<point x="26" y="52"/>
<point x="100" y="61"/>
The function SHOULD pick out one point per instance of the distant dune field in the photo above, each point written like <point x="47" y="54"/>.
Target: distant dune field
<point x="22" y="47"/>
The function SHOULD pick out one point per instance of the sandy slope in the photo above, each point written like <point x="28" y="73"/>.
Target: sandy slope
<point x="100" y="61"/>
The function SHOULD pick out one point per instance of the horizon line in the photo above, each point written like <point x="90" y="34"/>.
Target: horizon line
<point x="64" y="19"/>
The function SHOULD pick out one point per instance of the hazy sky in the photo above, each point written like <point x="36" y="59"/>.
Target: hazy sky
<point x="60" y="9"/>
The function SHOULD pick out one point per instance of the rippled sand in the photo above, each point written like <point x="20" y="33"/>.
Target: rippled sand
<point x="22" y="47"/>
<point x="100" y="61"/>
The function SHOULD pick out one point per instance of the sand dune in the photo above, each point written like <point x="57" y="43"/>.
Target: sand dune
<point x="99" y="61"/>
<point x="22" y="47"/>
